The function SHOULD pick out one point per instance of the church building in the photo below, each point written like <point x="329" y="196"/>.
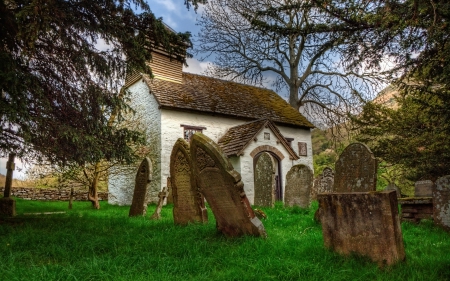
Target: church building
<point x="246" y="121"/>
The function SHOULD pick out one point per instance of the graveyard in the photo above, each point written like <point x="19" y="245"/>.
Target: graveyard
<point x="84" y="244"/>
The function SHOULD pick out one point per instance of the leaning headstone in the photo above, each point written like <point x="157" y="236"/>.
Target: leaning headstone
<point x="364" y="223"/>
<point x="441" y="202"/>
<point x="299" y="181"/>
<point x="264" y="180"/>
<point x="223" y="189"/>
<point x="356" y="170"/>
<point x="423" y="188"/>
<point x="392" y="186"/>
<point x="188" y="202"/>
<point x="8" y="204"/>
<point x="143" y="178"/>
<point x="162" y="196"/>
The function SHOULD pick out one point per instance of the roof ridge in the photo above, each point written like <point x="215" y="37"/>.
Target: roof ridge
<point x="229" y="81"/>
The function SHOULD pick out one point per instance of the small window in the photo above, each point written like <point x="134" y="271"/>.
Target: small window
<point x="267" y="136"/>
<point x="190" y="130"/>
<point x="289" y="141"/>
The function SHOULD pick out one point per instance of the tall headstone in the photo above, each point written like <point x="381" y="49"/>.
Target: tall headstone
<point x="423" y="188"/>
<point x="8" y="204"/>
<point x="223" y="189"/>
<point x="188" y="202"/>
<point x="441" y="202"/>
<point x="356" y="170"/>
<point x="143" y="179"/>
<point x="264" y="180"/>
<point x="299" y="181"/>
<point x="365" y="223"/>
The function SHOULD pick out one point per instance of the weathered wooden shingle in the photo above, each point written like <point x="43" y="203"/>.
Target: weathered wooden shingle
<point x="215" y="96"/>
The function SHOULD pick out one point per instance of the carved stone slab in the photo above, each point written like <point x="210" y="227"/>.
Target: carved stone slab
<point x="188" y="202"/>
<point x="423" y="188"/>
<point x="299" y="181"/>
<point x="441" y="202"/>
<point x="356" y="170"/>
<point x="323" y="183"/>
<point x="143" y="178"/>
<point x="223" y="189"/>
<point x="264" y="180"/>
<point x="365" y="223"/>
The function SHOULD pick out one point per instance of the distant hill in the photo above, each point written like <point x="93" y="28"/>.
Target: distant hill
<point x="16" y="182"/>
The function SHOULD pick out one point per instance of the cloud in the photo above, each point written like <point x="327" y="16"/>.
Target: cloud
<point x="168" y="4"/>
<point x="19" y="172"/>
<point x="196" y="66"/>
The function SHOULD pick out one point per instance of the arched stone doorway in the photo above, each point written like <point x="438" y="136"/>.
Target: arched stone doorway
<point x="267" y="178"/>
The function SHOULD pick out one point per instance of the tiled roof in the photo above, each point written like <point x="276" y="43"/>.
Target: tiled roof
<point x="211" y="95"/>
<point x="237" y="138"/>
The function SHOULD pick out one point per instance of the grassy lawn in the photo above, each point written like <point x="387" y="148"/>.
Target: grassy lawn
<point x="85" y="244"/>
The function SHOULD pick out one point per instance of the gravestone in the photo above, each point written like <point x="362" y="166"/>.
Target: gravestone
<point x="441" y="202"/>
<point x="356" y="170"/>
<point x="299" y="181"/>
<point x="323" y="183"/>
<point x="8" y="204"/>
<point x="423" y="188"/>
<point x="264" y="180"/>
<point x="162" y="196"/>
<point x="143" y="178"/>
<point x="392" y="186"/>
<point x="364" y="223"/>
<point x="188" y="202"/>
<point x="223" y="189"/>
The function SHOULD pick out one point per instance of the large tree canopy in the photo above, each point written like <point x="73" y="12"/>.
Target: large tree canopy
<point x="292" y="40"/>
<point x="59" y="88"/>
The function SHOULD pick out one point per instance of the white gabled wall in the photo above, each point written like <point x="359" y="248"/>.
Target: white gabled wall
<point x="246" y="160"/>
<point x="148" y="119"/>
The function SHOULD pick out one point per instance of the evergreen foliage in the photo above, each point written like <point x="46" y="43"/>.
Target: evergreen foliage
<point x="58" y="90"/>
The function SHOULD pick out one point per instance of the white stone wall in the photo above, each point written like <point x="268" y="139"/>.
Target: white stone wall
<point x="148" y="119"/>
<point x="171" y="120"/>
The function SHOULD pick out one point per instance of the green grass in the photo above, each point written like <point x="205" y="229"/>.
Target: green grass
<point x="85" y="244"/>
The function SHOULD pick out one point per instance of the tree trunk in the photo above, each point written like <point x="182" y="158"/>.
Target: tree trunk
<point x="93" y="194"/>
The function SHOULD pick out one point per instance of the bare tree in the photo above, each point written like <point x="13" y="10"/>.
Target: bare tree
<point x="292" y="40"/>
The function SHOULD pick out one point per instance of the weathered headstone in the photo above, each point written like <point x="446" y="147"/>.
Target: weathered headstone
<point x="299" y="181"/>
<point x="162" y="196"/>
<point x="356" y="170"/>
<point x="392" y="186"/>
<point x="223" y="189"/>
<point x="264" y="180"/>
<point x="8" y="204"/>
<point x="323" y="183"/>
<point x="365" y="223"/>
<point x="441" y="202"/>
<point x="188" y="202"/>
<point x="143" y="178"/>
<point x="423" y="188"/>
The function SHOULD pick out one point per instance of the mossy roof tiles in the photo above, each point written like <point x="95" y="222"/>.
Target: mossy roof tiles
<point x="238" y="138"/>
<point x="215" y="96"/>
